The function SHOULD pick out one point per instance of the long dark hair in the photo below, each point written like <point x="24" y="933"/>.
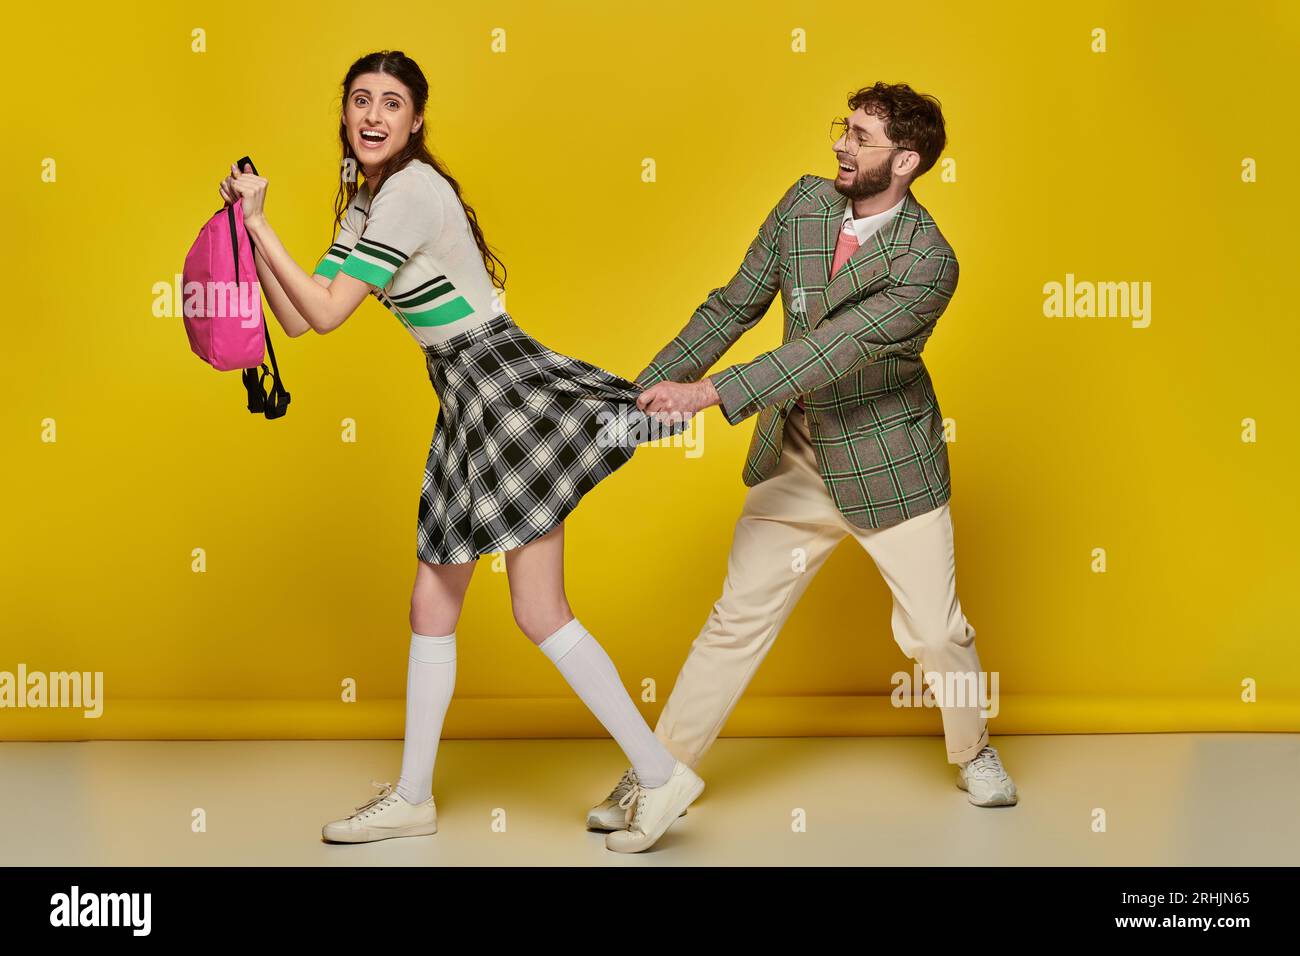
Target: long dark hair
<point x="397" y="64"/>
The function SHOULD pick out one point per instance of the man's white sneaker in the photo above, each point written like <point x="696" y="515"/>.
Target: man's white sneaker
<point x="986" y="782"/>
<point x="608" y="814"/>
<point x="652" y="810"/>
<point x="383" y="816"/>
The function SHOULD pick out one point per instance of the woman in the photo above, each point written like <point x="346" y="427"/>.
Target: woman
<point x="522" y="433"/>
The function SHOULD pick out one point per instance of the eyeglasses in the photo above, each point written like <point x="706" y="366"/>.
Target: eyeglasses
<point x="840" y="128"/>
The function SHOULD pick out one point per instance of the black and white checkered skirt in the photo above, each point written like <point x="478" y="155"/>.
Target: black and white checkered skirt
<point x="522" y="434"/>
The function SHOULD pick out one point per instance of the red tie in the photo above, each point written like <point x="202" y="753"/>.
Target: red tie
<point x="845" y="246"/>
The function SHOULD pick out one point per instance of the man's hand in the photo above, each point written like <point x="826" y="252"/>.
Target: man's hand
<point x="682" y="399"/>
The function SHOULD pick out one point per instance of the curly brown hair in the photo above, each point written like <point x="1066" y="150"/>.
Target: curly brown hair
<point x="912" y="120"/>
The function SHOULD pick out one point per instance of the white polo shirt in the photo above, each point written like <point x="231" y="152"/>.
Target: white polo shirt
<point x="413" y="244"/>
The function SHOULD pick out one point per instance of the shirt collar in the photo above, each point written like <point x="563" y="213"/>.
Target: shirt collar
<point x="867" y="225"/>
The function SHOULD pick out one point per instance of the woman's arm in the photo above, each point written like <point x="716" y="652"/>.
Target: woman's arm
<point x="288" y="317"/>
<point x="322" y="306"/>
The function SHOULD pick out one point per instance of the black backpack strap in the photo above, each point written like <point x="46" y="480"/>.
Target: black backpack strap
<point x="273" y="403"/>
<point x="277" y="400"/>
<point x="253" y="385"/>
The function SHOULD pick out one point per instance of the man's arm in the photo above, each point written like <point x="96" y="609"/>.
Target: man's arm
<point x="895" y="321"/>
<point x="728" y="312"/>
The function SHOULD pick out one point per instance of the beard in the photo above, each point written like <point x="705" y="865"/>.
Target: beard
<point x="869" y="182"/>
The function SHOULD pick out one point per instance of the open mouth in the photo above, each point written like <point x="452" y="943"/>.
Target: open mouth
<point x="846" y="168"/>
<point x="373" y="137"/>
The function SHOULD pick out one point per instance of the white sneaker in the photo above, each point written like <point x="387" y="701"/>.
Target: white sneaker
<point x="385" y="815"/>
<point x="608" y="814"/>
<point x="652" y="810"/>
<point x="985" y="781"/>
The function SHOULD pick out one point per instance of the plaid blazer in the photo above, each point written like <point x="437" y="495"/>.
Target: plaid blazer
<point x="851" y="350"/>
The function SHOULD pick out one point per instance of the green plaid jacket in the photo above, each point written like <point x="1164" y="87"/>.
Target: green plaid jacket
<point x="851" y="350"/>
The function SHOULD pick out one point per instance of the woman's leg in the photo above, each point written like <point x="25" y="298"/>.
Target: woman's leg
<point x="436" y="602"/>
<point x="541" y="609"/>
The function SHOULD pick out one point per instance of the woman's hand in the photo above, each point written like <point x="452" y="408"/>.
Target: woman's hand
<point x="249" y="187"/>
<point x="227" y="190"/>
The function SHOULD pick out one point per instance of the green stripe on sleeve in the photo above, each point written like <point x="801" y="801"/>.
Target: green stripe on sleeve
<point x="328" y="268"/>
<point x="359" y="268"/>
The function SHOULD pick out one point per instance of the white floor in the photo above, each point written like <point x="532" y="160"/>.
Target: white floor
<point x="1168" y="799"/>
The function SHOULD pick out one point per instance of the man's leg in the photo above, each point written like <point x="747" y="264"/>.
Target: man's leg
<point x="917" y="560"/>
<point x="786" y="530"/>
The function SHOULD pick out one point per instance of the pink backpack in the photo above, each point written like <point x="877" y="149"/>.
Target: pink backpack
<point x="223" y="307"/>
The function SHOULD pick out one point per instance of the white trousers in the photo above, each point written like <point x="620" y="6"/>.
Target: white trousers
<point x="792" y="510"/>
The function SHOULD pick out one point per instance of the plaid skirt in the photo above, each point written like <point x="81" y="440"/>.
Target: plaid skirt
<point x="522" y="434"/>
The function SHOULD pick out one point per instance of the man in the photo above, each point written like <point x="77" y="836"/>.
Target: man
<point x="849" y="437"/>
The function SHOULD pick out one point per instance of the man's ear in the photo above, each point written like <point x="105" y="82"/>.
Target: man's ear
<point x="910" y="160"/>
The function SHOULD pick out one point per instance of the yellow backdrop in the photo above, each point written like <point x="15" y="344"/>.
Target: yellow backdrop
<point x="1159" y="151"/>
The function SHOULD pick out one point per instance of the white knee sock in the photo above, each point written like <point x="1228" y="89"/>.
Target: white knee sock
<point x="430" y="678"/>
<point x="590" y="672"/>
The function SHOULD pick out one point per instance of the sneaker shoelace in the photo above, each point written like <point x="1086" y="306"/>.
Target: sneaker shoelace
<point x="385" y="791"/>
<point x="986" y="765"/>
<point x="635" y="793"/>
<point x="625" y="783"/>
